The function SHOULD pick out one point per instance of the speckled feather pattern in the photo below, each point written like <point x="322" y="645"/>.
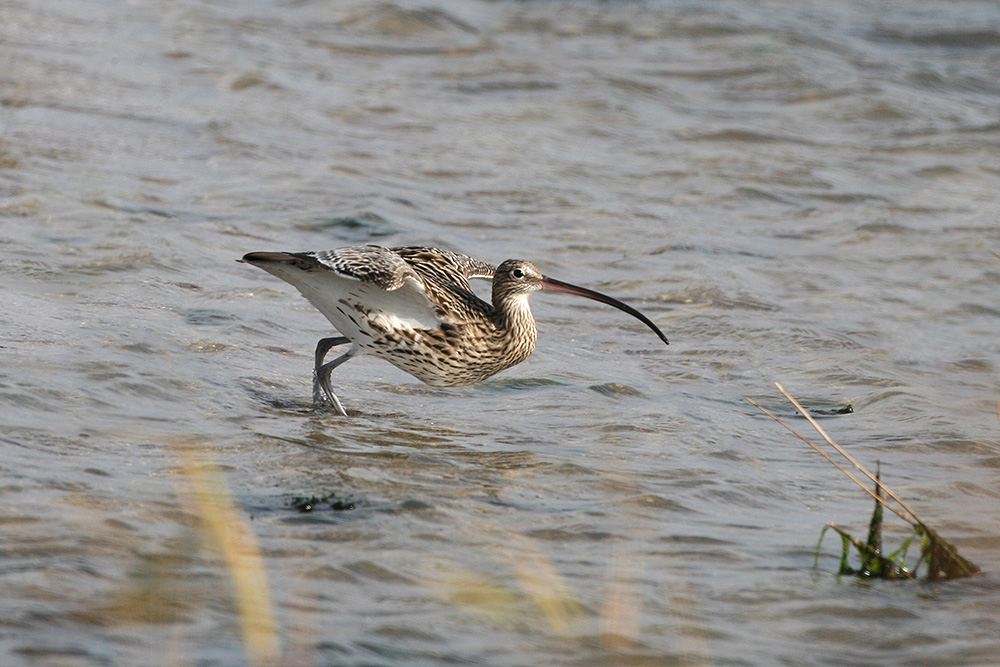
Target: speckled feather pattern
<point x="414" y="308"/>
<point x="473" y="340"/>
<point x="371" y="264"/>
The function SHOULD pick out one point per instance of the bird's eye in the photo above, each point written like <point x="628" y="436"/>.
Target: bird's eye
<point x="517" y="273"/>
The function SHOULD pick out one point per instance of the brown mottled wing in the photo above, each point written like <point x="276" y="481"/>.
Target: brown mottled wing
<point x="447" y="275"/>
<point x="445" y="266"/>
<point x="370" y="264"/>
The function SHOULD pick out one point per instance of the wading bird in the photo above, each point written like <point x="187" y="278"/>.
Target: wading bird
<point x="414" y="308"/>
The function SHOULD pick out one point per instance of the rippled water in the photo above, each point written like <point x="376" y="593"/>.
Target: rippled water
<point x="804" y="192"/>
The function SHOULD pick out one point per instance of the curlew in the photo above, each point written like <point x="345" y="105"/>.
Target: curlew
<point x="414" y="308"/>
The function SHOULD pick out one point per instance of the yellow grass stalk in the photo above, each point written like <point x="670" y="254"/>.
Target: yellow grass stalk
<point x="227" y="528"/>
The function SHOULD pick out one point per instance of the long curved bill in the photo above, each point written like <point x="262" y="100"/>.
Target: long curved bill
<point x="553" y="285"/>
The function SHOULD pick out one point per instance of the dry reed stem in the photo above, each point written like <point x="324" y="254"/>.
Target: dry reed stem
<point x="228" y="529"/>
<point x="540" y="586"/>
<point x="490" y="601"/>
<point x="539" y="580"/>
<point x="621" y="611"/>
<point x="843" y="452"/>
<point x="829" y="458"/>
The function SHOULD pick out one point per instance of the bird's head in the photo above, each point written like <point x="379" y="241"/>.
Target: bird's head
<point x="517" y="279"/>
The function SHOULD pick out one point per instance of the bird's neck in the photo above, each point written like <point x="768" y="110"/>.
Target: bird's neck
<point x="514" y="321"/>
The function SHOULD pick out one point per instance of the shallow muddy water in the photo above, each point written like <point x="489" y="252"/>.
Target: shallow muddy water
<point x="799" y="192"/>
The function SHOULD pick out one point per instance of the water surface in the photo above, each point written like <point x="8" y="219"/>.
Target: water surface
<point x="803" y="192"/>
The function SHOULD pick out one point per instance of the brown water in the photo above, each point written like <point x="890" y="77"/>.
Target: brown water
<point x="796" y="191"/>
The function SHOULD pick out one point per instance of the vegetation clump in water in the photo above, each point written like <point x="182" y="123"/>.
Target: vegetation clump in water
<point x="308" y="504"/>
<point x="873" y="562"/>
<point x="941" y="557"/>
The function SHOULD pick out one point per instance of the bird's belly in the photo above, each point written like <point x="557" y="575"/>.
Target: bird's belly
<point x="438" y="371"/>
<point x="443" y="365"/>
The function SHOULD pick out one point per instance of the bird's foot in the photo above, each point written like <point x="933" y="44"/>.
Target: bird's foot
<point x="323" y="395"/>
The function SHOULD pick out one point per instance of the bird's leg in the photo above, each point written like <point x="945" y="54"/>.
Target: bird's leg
<point x="324" y="345"/>
<point x="322" y="348"/>
<point x="323" y="380"/>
